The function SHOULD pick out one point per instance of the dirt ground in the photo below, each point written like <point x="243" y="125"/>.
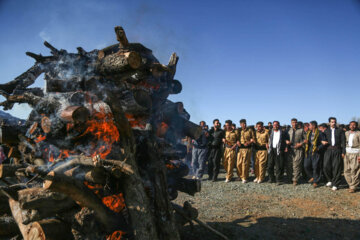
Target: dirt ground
<point x="268" y="211"/>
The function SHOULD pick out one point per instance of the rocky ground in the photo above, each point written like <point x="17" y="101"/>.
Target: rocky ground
<point x="268" y="211"/>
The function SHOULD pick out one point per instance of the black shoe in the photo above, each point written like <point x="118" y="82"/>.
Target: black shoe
<point x="279" y="183"/>
<point x="271" y="181"/>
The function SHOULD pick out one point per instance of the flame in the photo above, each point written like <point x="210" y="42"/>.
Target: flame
<point x="40" y="138"/>
<point x="103" y="128"/>
<point x="135" y="121"/>
<point x="115" y="235"/>
<point x="170" y="166"/>
<point x="115" y="202"/>
<point x="162" y="128"/>
<point x="94" y="187"/>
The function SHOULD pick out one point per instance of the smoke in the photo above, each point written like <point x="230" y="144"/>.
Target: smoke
<point x="44" y="35"/>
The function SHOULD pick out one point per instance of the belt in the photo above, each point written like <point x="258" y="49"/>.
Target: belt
<point x="352" y="150"/>
<point x="261" y="148"/>
<point x="228" y="146"/>
<point x="243" y="146"/>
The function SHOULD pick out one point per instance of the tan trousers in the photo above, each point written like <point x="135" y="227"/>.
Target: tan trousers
<point x="243" y="163"/>
<point x="261" y="157"/>
<point x="229" y="162"/>
<point x="352" y="170"/>
<point x="295" y="159"/>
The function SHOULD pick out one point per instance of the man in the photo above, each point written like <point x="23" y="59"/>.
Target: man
<point x="261" y="155"/>
<point x="295" y="152"/>
<point x="199" y="153"/>
<point x="306" y="127"/>
<point x="312" y="162"/>
<point x="277" y="148"/>
<point x="335" y="142"/>
<point x="247" y="137"/>
<point x="270" y="126"/>
<point x="352" y="157"/>
<point x="231" y="137"/>
<point x="216" y="135"/>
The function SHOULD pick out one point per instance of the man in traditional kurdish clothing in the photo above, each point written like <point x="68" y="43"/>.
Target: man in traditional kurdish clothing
<point x="261" y="155"/>
<point x="231" y="137"/>
<point x="296" y="152"/>
<point x="277" y="148"/>
<point x="335" y="152"/>
<point x="313" y="146"/>
<point x="352" y="157"/>
<point x="247" y="137"/>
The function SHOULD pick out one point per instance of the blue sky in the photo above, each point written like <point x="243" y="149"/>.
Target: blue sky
<point x="258" y="59"/>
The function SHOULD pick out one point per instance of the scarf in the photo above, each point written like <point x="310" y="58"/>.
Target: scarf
<point x="316" y="137"/>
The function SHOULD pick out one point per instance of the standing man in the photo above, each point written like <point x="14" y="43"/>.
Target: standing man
<point x="261" y="156"/>
<point x="247" y="137"/>
<point x="277" y="149"/>
<point x="352" y="157"/>
<point x="216" y="136"/>
<point x="312" y="162"/>
<point x="335" y="152"/>
<point x="199" y="153"/>
<point x="231" y="137"/>
<point x="296" y="152"/>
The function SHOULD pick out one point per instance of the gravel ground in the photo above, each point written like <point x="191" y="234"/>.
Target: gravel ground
<point x="268" y="211"/>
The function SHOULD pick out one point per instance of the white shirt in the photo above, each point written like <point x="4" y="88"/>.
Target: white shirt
<point x="276" y="139"/>
<point x="332" y="136"/>
<point x="351" y="137"/>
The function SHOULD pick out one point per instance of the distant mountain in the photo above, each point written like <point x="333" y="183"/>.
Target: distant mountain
<point x="9" y="119"/>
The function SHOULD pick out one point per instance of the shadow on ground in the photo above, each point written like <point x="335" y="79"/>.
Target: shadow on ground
<point x="278" y="229"/>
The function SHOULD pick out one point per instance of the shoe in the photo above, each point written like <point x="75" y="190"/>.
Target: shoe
<point x="351" y="190"/>
<point x="214" y="179"/>
<point x="295" y="183"/>
<point x="334" y="188"/>
<point x="279" y="183"/>
<point x="271" y="181"/>
<point x="193" y="177"/>
<point x="244" y="181"/>
<point x="315" y="185"/>
<point x="311" y="180"/>
<point x="256" y="180"/>
<point x="227" y="180"/>
<point x="259" y="181"/>
<point x="328" y="184"/>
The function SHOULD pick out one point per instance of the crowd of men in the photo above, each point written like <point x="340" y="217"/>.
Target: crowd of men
<point x="288" y="154"/>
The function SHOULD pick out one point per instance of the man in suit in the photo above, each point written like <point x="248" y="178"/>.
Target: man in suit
<point x="216" y="135"/>
<point x="352" y="157"/>
<point x="277" y="149"/>
<point x="335" y="152"/>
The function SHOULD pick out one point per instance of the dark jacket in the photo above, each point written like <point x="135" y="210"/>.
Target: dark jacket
<point x="319" y="145"/>
<point x="215" y="138"/>
<point x="339" y="139"/>
<point x="282" y="142"/>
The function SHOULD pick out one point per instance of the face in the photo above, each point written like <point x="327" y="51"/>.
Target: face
<point x="321" y="129"/>
<point x="293" y="124"/>
<point x="276" y="126"/>
<point x="259" y="127"/>
<point x="228" y="127"/>
<point x="216" y="124"/>
<point x="352" y="126"/>
<point x="306" y="128"/>
<point x="243" y="125"/>
<point x="311" y="127"/>
<point x="332" y="123"/>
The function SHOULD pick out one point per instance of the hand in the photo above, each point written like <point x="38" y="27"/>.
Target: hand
<point x="193" y="141"/>
<point x="305" y="141"/>
<point x="246" y="144"/>
<point x="343" y="155"/>
<point x="359" y="159"/>
<point x="223" y="140"/>
<point x="238" y="143"/>
<point x="286" y="150"/>
<point x="233" y="147"/>
<point x="267" y="146"/>
<point x="324" y="142"/>
<point x="287" y="142"/>
<point x="252" y="141"/>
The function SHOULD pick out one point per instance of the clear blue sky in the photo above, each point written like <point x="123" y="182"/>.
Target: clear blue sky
<point x="253" y="59"/>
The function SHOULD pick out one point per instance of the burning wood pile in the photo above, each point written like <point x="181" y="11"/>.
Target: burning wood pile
<point x="99" y="155"/>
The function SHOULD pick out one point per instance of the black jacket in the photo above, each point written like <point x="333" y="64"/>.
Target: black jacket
<point x="283" y="137"/>
<point x="339" y="138"/>
<point x="215" y="138"/>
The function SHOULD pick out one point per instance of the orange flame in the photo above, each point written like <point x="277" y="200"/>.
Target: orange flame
<point x="40" y="138"/>
<point x="115" y="235"/>
<point x="135" y="121"/>
<point x="103" y="128"/>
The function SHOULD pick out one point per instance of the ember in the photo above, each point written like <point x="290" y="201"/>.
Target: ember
<point x="99" y="156"/>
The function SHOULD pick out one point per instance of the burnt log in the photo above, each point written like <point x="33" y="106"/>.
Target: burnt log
<point x="85" y="197"/>
<point x="8" y="170"/>
<point x="50" y="229"/>
<point x="8" y="227"/>
<point x="117" y="63"/>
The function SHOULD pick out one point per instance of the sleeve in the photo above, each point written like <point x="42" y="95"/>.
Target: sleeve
<point x="343" y="145"/>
